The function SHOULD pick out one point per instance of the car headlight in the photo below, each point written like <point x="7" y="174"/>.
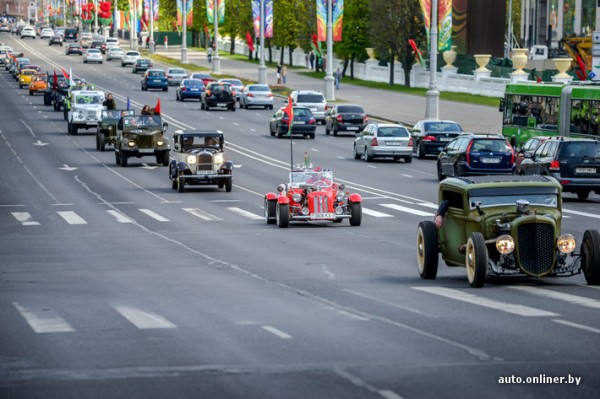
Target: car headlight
<point x="566" y="243"/>
<point x="79" y="115"/>
<point x="191" y="159"/>
<point x="505" y="244"/>
<point x="160" y="143"/>
<point x="341" y="197"/>
<point x="297" y="197"/>
<point x="131" y="143"/>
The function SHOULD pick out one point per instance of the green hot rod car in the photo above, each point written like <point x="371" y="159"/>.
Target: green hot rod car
<point x="107" y="130"/>
<point x="505" y="225"/>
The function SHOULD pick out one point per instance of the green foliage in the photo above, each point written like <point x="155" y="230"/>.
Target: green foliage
<point x="286" y="21"/>
<point x="516" y="17"/>
<point x="238" y="19"/>
<point x="168" y="15"/>
<point x="123" y="5"/>
<point x="308" y="23"/>
<point x="355" y="31"/>
<point x="200" y="21"/>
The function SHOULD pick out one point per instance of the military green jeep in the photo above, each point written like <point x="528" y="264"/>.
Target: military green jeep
<point x="505" y="226"/>
<point x="107" y="130"/>
<point x="139" y="136"/>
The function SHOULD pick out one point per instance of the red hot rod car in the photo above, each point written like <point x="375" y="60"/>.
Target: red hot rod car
<point x="312" y="195"/>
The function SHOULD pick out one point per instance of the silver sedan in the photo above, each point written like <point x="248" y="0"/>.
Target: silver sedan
<point x="383" y="140"/>
<point x="256" y="96"/>
<point x="92" y="55"/>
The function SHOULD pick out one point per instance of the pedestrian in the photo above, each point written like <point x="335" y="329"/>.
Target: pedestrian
<point x="284" y="74"/>
<point x="209" y="52"/>
<point x="148" y="41"/>
<point x="312" y="59"/>
<point x="109" y="103"/>
<point x="139" y="38"/>
<point x="279" y="68"/>
<point x="337" y="75"/>
<point x="306" y="60"/>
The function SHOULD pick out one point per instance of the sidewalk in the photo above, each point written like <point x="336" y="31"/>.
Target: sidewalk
<point x="383" y="104"/>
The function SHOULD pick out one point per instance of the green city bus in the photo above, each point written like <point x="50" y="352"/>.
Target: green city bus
<point x="538" y="109"/>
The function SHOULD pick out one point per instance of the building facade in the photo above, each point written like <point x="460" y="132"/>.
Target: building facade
<point x="14" y="8"/>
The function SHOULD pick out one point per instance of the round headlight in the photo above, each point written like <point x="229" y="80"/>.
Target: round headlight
<point x="505" y="244"/>
<point x="131" y="143"/>
<point x="191" y="159"/>
<point x="297" y="197"/>
<point x="341" y="186"/>
<point x="305" y="211"/>
<point x="566" y="243"/>
<point x="341" y="197"/>
<point x="160" y="143"/>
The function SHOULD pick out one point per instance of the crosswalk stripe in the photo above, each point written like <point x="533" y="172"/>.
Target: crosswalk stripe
<point x="201" y="214"/>
<point x="573" y="299"/>
<point x="120" y="217"/>
<point x="507" y="307"/>
<point x="142" y="319"/>
<point x="43" y="320"/>
<point x="71" y="217"/>
<point x="24" y="218"/>
<point x="246" y="214"/>
<point x="153" y="215"/>
<point x="376" y="214"/>
<point x="590" y="215"/>
<point x="408" y="210"/>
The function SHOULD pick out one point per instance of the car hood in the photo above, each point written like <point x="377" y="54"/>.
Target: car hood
<point x="88" y="107"/>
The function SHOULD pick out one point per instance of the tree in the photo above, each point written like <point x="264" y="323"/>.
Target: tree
<point x="286" y="24"/>
<point x="238" y="20"/>
<point x="355" y="33"/>
<point x="397" y="22"/>
<point x="168" y="15"/>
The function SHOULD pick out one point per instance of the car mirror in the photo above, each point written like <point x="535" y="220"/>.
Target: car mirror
<point x="165" y="126"/>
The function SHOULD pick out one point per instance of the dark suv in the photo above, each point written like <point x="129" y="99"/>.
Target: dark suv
<point x="476" y="154"/>
<point x="575" y="163"/>
<point x="218" y="94"/>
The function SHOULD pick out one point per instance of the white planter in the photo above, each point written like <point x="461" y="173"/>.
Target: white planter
<point x="449" y="57"/>
<point x="519" y="60"/>
<point x="482" y="60"/>
<point x="562" y="64"/>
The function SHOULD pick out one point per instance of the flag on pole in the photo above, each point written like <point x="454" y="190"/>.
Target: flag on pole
<point x="55" y="84"/>
<point x="128" y="103"/>
<point x="249" y="41"/>
<point x="315" y="45"/>
<point x="289" y="111"/>
<point x="71" y="81"/>
<point x="65" y="74"/>
<point x="306" y="159"/>
<point x="157" y="107"/>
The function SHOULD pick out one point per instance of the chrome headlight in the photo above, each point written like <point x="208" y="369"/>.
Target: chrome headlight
<point x="341" y="197"/>
<point x="297" y="197"/>
<point x="191" y="159"/>
<point x="160" y="143"/>
<point x="79" y="115"/>
<point x="131" y="143"/>
<point x="566" y="243"/>
<point x="341" y="186"/>
<point x="339" y="210"/>
<point x="505" y="244"/>
<point x="305" y="211"/>
<point x="218" y="159"/>
<point x="110" y="128"/>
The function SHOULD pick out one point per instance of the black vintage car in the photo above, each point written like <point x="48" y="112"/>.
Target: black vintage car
<point x="56" y="91"/>
<point x="218" y="94"/>
<point x="107" y="129"/>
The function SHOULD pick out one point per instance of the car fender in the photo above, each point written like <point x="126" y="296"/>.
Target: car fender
<point x="227" y="165"/>
<point x="354" y="197"/>
<point x="183" y="167"/>
<point x="271" y="196"/>
<point x="282" y="199"/>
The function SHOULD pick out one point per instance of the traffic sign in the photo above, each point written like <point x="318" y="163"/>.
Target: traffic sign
<point x="596" y="37"/>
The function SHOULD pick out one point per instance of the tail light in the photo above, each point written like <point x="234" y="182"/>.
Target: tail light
<point x="410" y="142"/>
<point x="555" y="165"/>
<point x="339" y="118"/>
<point x="365" y="118"/>
<point x="249" y="95"/>
<point x="374" y="142"/>
<point x="469" y="152"/>
<point x="512" y="155"/>
<point x="312" y="121"/>
<point x="270" y="95"/>
<point x="428" y="138"/>
<point x="208" y="92"/>
<point x="183" y="89"/>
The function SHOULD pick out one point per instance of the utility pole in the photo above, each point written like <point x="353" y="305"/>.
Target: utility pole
<point x="262" y="68"/>
<point x="216" y="62"/>
<point x="152" y="44"/>
<point x="95" y="16"/>
<point x="115" y="34"/>
<point x="432" y="97"/>
<point x="329" y="81"/>
<point x="133" y="40"/>
<point x="509" y="44"/>
<point x="64" y="13"/>
<point x="184" y="58"/>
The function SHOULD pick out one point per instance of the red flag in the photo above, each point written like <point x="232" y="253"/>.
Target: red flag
<point x="65" y="74"/>
<point x="157" y="107"/>
<point x="249" y="41"/>
<point x="289" y="111"/>
<point x="55" y="85"/>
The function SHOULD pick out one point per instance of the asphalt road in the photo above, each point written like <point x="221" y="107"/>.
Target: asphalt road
<point x="113" y="285"/>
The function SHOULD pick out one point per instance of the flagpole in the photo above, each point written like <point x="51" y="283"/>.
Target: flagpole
<point x="262" y="68"/>
<point x="184" y="57"/>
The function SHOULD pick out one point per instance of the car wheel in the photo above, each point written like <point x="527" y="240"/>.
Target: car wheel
<point x="408" y="159"/>
<point x="590" y="256"/>
<point x="312" y="136"/>
<point x="476" y="260"/>
<point x="355" y="213"/>
<point x="123" y="157"/>
<point x="101" y="142"/>
<point x="47" y="100"/>
<point x="30" y="93"/>
<point x="282" y="215"/>
<point x="229" y="184"/>
<point x="85" y="61"/>
<point x="165" y="158"/>
<point x="117" y="158"/>
<point x="180" y="184"/>
<point x="440" y="175"/>
<point x="201" y="104"/>
<point x="174" y="184"/>
<point x="270" y="107"/>
<point x="583" y="195"/>
<point x="335" y="131"/>
<point x="206" y="107"/>
<point x="166" y="89"/>
<point x="427" y="250"/>
<point x="73" y="130"/>
<point x="420" y="151"/>
<point x="356" y="154"/>
<point x="233" y="108"/>
<point x="327" y="131"/>
<point x="368" y="158"/>
<point x="270" y="211"/>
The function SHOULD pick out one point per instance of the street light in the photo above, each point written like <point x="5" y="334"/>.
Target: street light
<point x="432" y="97"/>
<point x="329" y="81"/>
<point x="216" y="63"/>
<point x="262" y="68"/>
<point x="96" y="16"/>
<point x="151" y="44"/>
<point x="133" y="39"/>
<point x="184" y="58"/>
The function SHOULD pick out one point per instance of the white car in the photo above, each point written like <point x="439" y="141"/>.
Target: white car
<point x="130" y="57"/>
<point x="86" y="110"/>
<point x="115" y="53"/>
<point x="27" y="31"/>
<point x="46" y="33"/>
<point x="256" y="95"/>
<point x="92" y="55"/>
<point x="112" y="42"/>
<point x="176" y="75"/>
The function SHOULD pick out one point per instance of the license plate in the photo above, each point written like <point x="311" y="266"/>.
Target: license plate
<point x="352" y="128"/>
<point x="393" y="143"/>
<point x="299" y="122"/>
<point x="322" y="216"/>
<point x="146" y="150"/>
<point x="313" y="109"/>
<point x="156" y="80"/>
<point x="585" y="170"/>
<point x="445" y="139"/>
<point x="221" y="104"/>
<point x="490" y="160"/>
<point x="194" y="89"/>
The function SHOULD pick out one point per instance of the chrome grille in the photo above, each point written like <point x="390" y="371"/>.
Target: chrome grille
<point x="320" y="204"/>
<point x="205" y="161"/>
<point x="536" y="248"/>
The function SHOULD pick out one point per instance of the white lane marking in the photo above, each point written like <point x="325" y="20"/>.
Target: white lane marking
<point x="201" y="214"/>
<point x="277" y="332"/>
<point x="580" y="326"/>
<point x="574" y="299"/>
<point x="71" y="217"/>
<point x="236" y="124"/>
<point x="120" y="217"/>
<point x="408" y="210"/>
<point x="339" y="157"/>
<point x="43" y="320"/>
<point x="395" y="305"/>
<point x="154" y="215"/>
<point x="507" y="307"/>
<point x="252" y="130"/>
<point x="142" y="319"/>
<point x="387" y="394"/>
<point x="246" y="214"/>
<point x="376" y="214"/>
<point x="428" y="205"/>
<point x="360" y="383"/>
<point x="24" y="217"/>
<point x="314" y="149"/>
<point x="405" y="175"/>
<point x="590" y="215"/>
<point x="371" y="166"/>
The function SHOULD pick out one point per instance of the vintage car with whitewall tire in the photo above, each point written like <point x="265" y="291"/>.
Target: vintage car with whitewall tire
<point x="139" y="136"/>
<point x="85" y="111"/>
<point x="198" y="159"/>
<point x="312" y="195"/>
<point x="107" y="130"/>
<point x="505" y="226"/>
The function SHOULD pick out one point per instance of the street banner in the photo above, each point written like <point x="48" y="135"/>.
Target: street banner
<point x="210" y="11"/>
<point x="338" y="16"/>
<point x="190" y="12"/>
<point x="268" y="18"/>
<point x="321" y="20"/>
<point x="146" y="12"/>
<point x="445" y="25"/>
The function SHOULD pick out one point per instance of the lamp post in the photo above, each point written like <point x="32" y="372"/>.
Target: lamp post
<point x="432" y="97"/>
<point x="216" y="62"/>
<point x="184" y="58"/>
<point x="96" y="16"/>
<point x="115" y="18"/>
<point x="64" y="13"/>
<point x="152" y="44"/>
<point x="133" y="40"/>
<point x="262" y="68"/>
<point x="329" y="81"/>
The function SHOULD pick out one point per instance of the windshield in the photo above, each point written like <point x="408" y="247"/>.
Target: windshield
<point x="88" y="99"/>
<point x="311" y="177"/>
<point x="156" y="74"/>
<point x="392" y="132"/>
<point x="442" y="127"/>
<point x="350" y="109"/>
<point x="142" y="121"/>
<point x="311" y="98"/>
<point x="549" y="199"/>
<point x="115" y="113"/>
<point x="583" y="149"/>
<point x="189" y="143"/>
<point x="258" y="88"/>
<point x="177" y="71"/>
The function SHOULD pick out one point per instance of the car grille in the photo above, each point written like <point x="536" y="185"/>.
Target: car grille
<point x="536" y="248"/>
<point x="205" y="161"/>
<point x="320" y="203"/>
<point x="145" y="141"/>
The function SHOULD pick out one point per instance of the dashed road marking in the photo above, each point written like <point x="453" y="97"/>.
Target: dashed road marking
<point x="142" y="319"/>
<point x="277" y="332"/>
<point x="407" y="210"/>
<point x="201" y="214"/>
<point x="376" y="214"/>
<point x="71" y="217"/>
<point x="25" y="218"/>
<point x="154" y="215"/>
<point x="246" y="214"/>
<point x="43" y="320"/>
<point x="120" y="217"/>
<point x="573" y="299"/>
<point x="576" y="325"/>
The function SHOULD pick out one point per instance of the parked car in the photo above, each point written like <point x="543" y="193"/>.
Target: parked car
<point x="55" y="39"/>
<point x="28" y="31"/>
<point x="237" y="86"/>
<point x="527" y="151"/>
<point x="314" y="100"/>
<point x="141" y="64"/>
<point x="312" y="195"/>
<point x="383" y="140"/>
<point x="304" y="123"/>
<point x="256" y="95"/>
<point x="345" y="118"/>
<point x="476" y="154"/>
<point x="92" y="55"/>
<point x="155" y="79"/>
<point x="189" y="88"/>
<point x="139" y="136"/>
<point x="431" y="136"/>
<point x="130" y="57"/>
<point x="574" y="162"/>
<point x="219" y="95"/>
<point x="115" y="53"/>
<point x="106" y="134"/>
<point x="176" y="75"/>
<point x="204" y="77"/>
<point x="198" y="158"/>
<point x="74" y="48"/>
<point x="505" y="226"/>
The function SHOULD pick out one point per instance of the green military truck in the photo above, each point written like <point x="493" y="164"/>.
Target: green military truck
<point x="139" y="136"/>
